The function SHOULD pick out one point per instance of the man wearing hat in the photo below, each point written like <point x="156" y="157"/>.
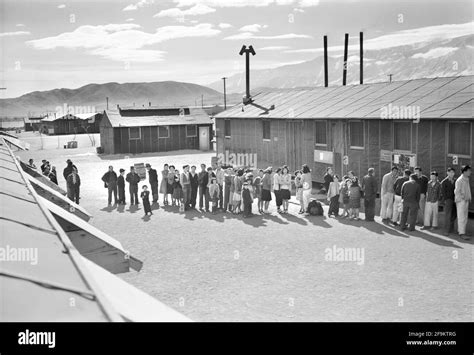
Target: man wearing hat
<point x="68" y="169"/>
<point x="462" y="197"/>
<point x="133" y="179"/>
<point x="121" y="187"/>
<point x="110" y="181"/>
<point x="153" y="179"/>
<point x="73" y="183"/>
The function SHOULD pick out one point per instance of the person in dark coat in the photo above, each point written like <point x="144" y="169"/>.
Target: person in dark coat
<point x="328" y="178"/>
<point x="73" y="183"/>
<point x="153" y="179"/>
<point x="193" y="176"/>
<point x="247" y="199"/>
<point x="44" y="165"/>
<point x="447" y="198"/>
<point x="53" y="175"/>
<point x="68" y="169"/>
<point x="411" y="202"/>
<point x="369" y="187"/>
<point x="133" y="179"/>
<point x="202" y="182"/>
<point x="423" y="182"/>
<point x="110" y="181"/>
<point x="145" y="195"/>
<point x="121" y="187"/>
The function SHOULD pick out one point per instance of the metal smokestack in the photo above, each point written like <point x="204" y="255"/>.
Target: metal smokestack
<point x="361" y="45"/>
<point x="344" y="66"/>
<point x="326" y="79"/>
<point x="247" y="52"/>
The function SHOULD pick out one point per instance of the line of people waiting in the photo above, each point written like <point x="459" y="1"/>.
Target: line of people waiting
<point x="222" y="188"/>
<point x="406" y="201"/>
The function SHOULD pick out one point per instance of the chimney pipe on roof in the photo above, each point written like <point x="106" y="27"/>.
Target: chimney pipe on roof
<point x="361" y="44"/>
<point x="344" y="64"/>
<point x="149" y="103"/>
<point x="107" y="100"/>
<point x="326" y="61"/>
<point x="247" y="51"/>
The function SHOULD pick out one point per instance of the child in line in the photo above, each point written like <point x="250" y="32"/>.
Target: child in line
<point x="299" y="190"/>
<point x="257" y="187"/>
<point x="344" y="196"/>
<point x="177" y="195"/>
<point x="214" y="194"/>
<point x="354" y="196"/>
<point x="333" y="197"/>
<point x="247" y="199"/>
<point x="145" y="195"/>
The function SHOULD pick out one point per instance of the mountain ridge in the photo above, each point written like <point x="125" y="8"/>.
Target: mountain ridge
<point x="93" y="95"/>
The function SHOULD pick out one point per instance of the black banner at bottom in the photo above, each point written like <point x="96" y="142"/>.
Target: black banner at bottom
<point x="94" y="338"/>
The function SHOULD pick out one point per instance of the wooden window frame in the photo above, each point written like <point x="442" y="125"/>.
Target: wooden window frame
<point x="168" y="130"/>
<point x="448" y="140"/>
<point x="269" y="139"/>
<point x="139" y="134"/>
<point x="230" y="128"/>
<point x="402" y="151"/>
<point x="356" y="147"/>
<point x="195" y="134"/>
<point x="316" y="144"/>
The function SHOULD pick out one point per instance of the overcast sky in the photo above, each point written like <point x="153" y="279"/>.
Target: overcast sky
<point x="48" y="44"/>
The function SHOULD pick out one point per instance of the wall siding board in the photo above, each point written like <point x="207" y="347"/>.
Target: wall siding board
<point x="423" y="148"/>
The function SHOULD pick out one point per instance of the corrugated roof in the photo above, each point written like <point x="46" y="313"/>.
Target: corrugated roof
<point x="132" y="304"/>
<point x="40" y="289"/>
<point x="196" y="116"/>
<point x="58" y="284"/>
<point x="93" y="243"/>
<point x="448" y="97"/>
<point x="17" y="143"/>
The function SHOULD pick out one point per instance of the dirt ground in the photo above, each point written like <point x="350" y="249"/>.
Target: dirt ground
<point x="275" y="268"/>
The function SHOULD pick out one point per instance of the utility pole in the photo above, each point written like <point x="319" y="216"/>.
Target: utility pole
<point x="225" y="98"/>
